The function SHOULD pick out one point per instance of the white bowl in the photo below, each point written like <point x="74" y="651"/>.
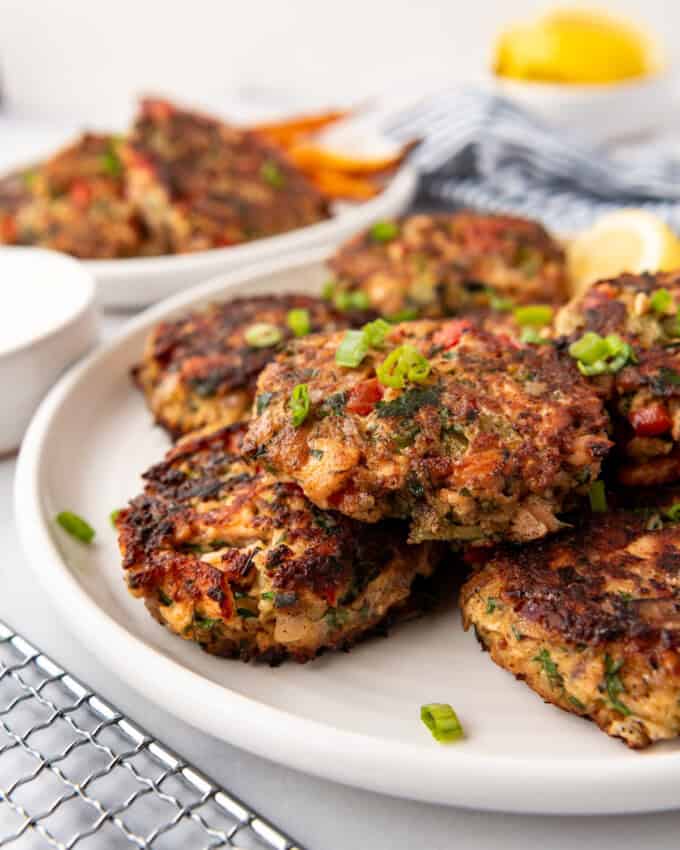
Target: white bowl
<point x="49" y="321"/>
<point x="597" y="112"/>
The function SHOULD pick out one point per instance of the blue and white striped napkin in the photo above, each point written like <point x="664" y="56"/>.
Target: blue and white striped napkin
<point x="479" y="150"/>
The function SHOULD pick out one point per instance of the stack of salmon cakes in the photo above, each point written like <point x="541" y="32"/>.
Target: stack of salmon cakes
<point x="440" y="409"/>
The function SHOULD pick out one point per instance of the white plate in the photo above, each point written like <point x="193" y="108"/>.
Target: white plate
<point x="140" y="281"/>
<point x="352" y="718"/>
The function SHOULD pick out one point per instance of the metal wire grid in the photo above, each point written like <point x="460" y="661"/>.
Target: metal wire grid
<point x="75" y="772"/>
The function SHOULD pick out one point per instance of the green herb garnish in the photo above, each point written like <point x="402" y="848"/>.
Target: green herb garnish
<point x="345" y="301"/>
<point x="246" y="613"/>
<point x="613" y="684"/>
<point x="298" y="321"/>
<point x="76" y="526"/>
<point x="204" y="622"/>
<point x="661" y="300"/>
<point x="327" y="290"/>
<point x="405" y="315"/>
<point x="530" y="336"/>
<point x="408" y="403"/>
<point x="597" y="355"/>
<point x="549" y="668"/>
<point x="113" y="516"/>
<point x="262" y="402"/>
<point x="299" y="404"/>
<point x="442" y="721"/>
<point x="271" y="174"/>
<point x="402" y="364"/>
<point x="375" y="333"/>
<point x="491" y="605"/>
<point x="262" y="335"/>
<point x="164" y="599"/>
<point x="384" y="231"/>
<point x="673" y="513"/>
<point x="535" y="315"/>
<point x="598" y="497"/>
<point x="352" y="349"/>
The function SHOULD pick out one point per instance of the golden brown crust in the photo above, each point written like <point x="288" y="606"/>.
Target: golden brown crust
<point x="644" y="396"/>
<point x="199" y="370"/>
<point x="449" y="264"/>
<point x="489" y="446"/>
<point x="225" y="555"/>
<point x="202" y="184"/>
<point x="591" y="620"/>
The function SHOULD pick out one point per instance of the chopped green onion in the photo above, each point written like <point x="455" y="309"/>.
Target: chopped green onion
<point x="327" y="290"/>
<point x="384" y="231"/>
<point x="673" y="513"/>
<point x="532" y="337"/>
<point x="598" y="497"/>
<point x="402" y="364"/>
<point x="76" y="526"/>
<point x="299" y="404"/>
<point x="442" y="721"/>
<point x="262" y="335"/>
<point x="405" y="315"/>
<point x="352" y="349"/>
<point x="113" y="516"/>
<point x="597" y="355"/>
<point x="110" y="162"/>
<point x="246" y="613"/>
<point x="536" y="315"/>
<point x="351" y="301"/>
<point x="499" y="303"/>
<point x="268" y="594"/>
<point x="661" y="300"/>
<point x="298" y="322"/>
<point x="271" y="173"/>
<point x="375" y="333"/>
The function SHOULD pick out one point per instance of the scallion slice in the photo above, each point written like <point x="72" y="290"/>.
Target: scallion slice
<point x="661" y="301"/>
<point x="598" y="497"/>
<point x="352" y="349"/>
<point x="597" y="355"/>
<point x="535" y="315"/>
<point x="384" y="231"/>
<point x="375" y="333"/>
<point x="271" y="173"/>
<point x="405" y="315"/>
<point x="299" y="404"/>
<point x="76" y="526"/>
<point x="262" y="335"/>
<point x="402" y="364"/>
<point x="298" y="321"/>
<point x="351" y="301"/>
<point x="327" y="290"/>
<point x="442" y="721"/>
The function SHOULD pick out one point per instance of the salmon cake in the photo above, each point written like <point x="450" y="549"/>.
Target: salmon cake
<point x="433" y="266"/>
<point x="225" y="555"/>
<point x="202" y="184"/>
<point x="200" y="370"/>
<point x="590" y="619"/>
<point x="76" y="203"/>
<point x="625" y="336"/>
<point x="472" y="436"/>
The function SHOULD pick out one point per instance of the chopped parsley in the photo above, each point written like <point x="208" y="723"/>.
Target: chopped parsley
<point x="491" y="605"/>
<point x="164" y="599"/>
<point x="408" y="403"/>
<point x="613" y="685"/>
<point x="550" y="669"/>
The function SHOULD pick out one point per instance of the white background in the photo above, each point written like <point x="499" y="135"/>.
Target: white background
<point x="87" y="59"/>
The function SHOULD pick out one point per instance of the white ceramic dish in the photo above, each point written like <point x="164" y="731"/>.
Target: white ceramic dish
<point x="48" y="322"/>
<point x="138" y="282"/>
<point x="599" y="113"/>
<point x="352" y="718"/>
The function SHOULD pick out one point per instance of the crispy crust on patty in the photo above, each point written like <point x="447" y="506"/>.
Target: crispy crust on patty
<point x="490" y="446"/>
<point x="644" y="396"/>
<point x="75" y="202"/>
<point x="202" y="184"/>
<point x="591" y="621"/>
<point x="447" y="264"/>
<point x="225" y="555"/>
<point x="199" y="371"/>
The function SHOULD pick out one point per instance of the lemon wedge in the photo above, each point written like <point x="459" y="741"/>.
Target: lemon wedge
<point x="623" y="241"/>
<point x="575" y="46"/>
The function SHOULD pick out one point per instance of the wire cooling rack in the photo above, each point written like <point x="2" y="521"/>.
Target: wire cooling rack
<point x="75" y="772"/>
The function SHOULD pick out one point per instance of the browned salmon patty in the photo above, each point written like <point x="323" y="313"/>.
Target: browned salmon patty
<point x="74" y="202"/>
<point x="225" y="555"/>
<point x="200" y="370"/>
<point x="644" y="394"/>
<point x="470" y="435"/>
<point x="201" y="184"/>
<point x="449" y="263"/>
<point x="590" y="620"/>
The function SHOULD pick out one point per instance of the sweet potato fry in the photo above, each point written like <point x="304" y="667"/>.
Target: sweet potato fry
<point x="338" y="186"/>
<point x="290" y="130"/>
<point x="307" y="155"/>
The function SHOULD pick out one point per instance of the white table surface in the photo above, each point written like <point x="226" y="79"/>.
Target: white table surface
<point x="320" y="815"/>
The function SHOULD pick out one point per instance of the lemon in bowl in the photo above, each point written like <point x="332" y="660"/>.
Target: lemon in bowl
<point x="587" y="71"/>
